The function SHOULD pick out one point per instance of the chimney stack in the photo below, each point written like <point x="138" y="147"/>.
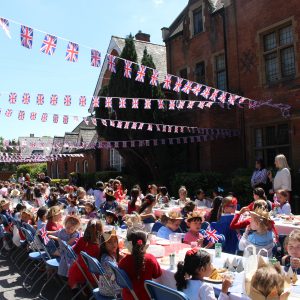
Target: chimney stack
<point x="140" y="36"/>
<point x="31" y="135"/>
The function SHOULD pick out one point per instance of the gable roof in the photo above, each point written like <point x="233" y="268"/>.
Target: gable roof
<point x="35" y="145"/>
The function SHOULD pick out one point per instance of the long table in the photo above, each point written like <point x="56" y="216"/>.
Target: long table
<point x="286" y="227"/>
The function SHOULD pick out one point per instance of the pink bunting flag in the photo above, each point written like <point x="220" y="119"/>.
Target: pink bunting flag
<point x="65" y="119"/>
<point x="141" y="125"/>
<point x="94" y="121"/>
<point x="141" y="74"/>
<point x="40" y="99"/>
<point x="86" y="120"/>
<point x="104" y="122"/>
<point x="160" y="104"/>
<point x="172" y="104"/>
<point x="53" y="100"/>
<point x="112" y="123"/>
<point x="44" y="117"/>
<point x="127" y="68"/>
<point x="95" y="58"/>
<point x="149" y="128"/>
<point x="33" y="116"/>
<point x="147" y="104"/>
<point x="82" y="101"/>
<point x="188" y="86"/>
<point x="206" y="92"/>
<point x="21" y="115"/>
<point x="133" y="125"/>
<point x="177" y="87"/>
<point x="122" y="103"/>
<point x="67" y="100"/>
<point x="108" y="102"/>
<point x="72" y="52"/>
<point x="197" y="89"/>
<point x="180" y="104"/>
<point x="222" y="97"/>
<point x="135" y="103"/>
<point x="154" y="78"/>
<point x="190" y="104"/>
<point x="12" y="98"/>
<point x="96" y="101"/>
<point x="167" y="82"/>
<point x="26" y="98"/>
<point x="111" y="63"/>
<point x="214" y="95"/>
<point x="55" y="118"/>
<point x="119" y="124"/>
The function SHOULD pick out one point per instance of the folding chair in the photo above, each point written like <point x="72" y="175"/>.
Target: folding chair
<point x="158" y="291"/>
<point x="6" y="235"/>
<point x="123" y="280"/>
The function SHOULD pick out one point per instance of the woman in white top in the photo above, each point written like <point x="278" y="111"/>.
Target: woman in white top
<point x="282" y="180"/>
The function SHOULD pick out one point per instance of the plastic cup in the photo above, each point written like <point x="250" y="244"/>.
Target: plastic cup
<point x="194" y="244"/>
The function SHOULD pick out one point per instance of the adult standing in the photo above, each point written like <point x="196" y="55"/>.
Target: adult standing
<point x="282" y="179"/>
<point x="21" y="178"/>
<point x="260" y="175"/>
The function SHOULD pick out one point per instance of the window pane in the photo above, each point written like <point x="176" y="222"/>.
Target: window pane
<point x="258" y="137"/>
<point x="286" y="35"/>
<point x="287" y="62"/>
<point x="270" y="136"/>
<point x="283" y="134"/>
<point x="221" y="80"/>
<point x="200" y="72"/>
<point x="270" y="41"/>
<point x="220" y="62"/>
<point x="271" y="67"/>
<point x="198" y="25"/>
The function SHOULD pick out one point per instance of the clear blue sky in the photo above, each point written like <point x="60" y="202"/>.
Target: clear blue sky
<point x="89" y="22"/>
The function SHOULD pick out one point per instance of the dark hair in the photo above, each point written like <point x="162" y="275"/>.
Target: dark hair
<point x="42" y="211"/>
<point x="200" y="191"/>
<point x="148" y="200"/>
<point x="215" y="208"/>
<point x="189" y="207"/>
<point x="261" y="163"/>
<point x="163" y="190"/>
<point x="139" y="240"/>
<point x="93" y="231"/>
<point x="37" y="192"/>
<point x="192" y="263"/>
<point x="20" y="207"/>
<point x="260" y="193"/>
<point x="134" y="193"/>
<point x="91" y="205"/>
<point x="104" y="251"/>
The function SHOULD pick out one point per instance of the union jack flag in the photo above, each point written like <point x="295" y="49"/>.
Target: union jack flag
<point x="127" y="69"/>
<point x="94" y="121"/>
<point x="40" y="99"/>
<point x="26" y="36"/>
<point x="222" y="97"/>
<point x="135" y="103"/>
<point x="206" y="92"/>
<point x="119" y="124"/>
<point x="21" y="115"/>
<point x="5" y="26"/>
<point x="104" y="122"/>
<point x="167" y="82"/>
<point x="147" y="104"/>
<point x="112" y="123"/>
<point x="141" y="74"/>
<point x="211" y="235"/>
<point x="108" y="102"/>
<point x="178" y="84"/>
<point x="53" y="99"/>
<point x="180" y="104"/>
<point x="197" y="89"/>
<point x="95" y="58"/>
<point x="150" y="127"/>
<point x="49" y="44"/>
<point x="43" y="233"/>
<point x="190" y="104"/>
<point x="65" y="119"/>
<point x="111" y="63"/>
<point x="95" y="101"/>
<point x="126" y="126"/>
<point x="164" y="128"/>
<point x="242" y="100"/>
<point x="67" y="100"/>
<point x="133" y="126"/>
<point x="33" y="116"/>
<point x="188" y="86"/>
<point x="231" y="99"/>
<point x="201" y="104"/>
<point x="122" y="103"/>
<point x="72" y="52"/>
<point x="26" y="98"/>
<point x="86" y="121"/>
<point x="141" y="125"/>
<point x="172" y="104"/>
<point x="82" y="101"/>
<point x="154" y="78"/>
<point x="44" y="117"/>
<point x="208" y="104"/>
<point x="12" y="98"/>
<point x="160" y="104"/>
<point x="214" y="95"/>
<point x="175" y="129"/>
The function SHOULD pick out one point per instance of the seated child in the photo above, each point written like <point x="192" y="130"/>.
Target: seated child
<point x="134" y="222"/>
<point x="212" y="216"/>
<point x="146" y="209"/>
<point x="120" y="213"/>
<point x="187" y="209"/>
<point x="90" y="210"/>
<point x="163" y="196"/>
<point x="109" y="252"/>
<point x="19" y="208"/>
<point x="173" y="221"/>
<point x="110" y="218"/>
<point x="190" y="273"/>
<point x="110" y="202"/>
<point x="283" y="205"/>
<point x="132" y="206"/>
<point x="4" y="209"/>
<point x="72" y="208"/>
<point x="194" y="221"/>
<point x="54" y="217"/>
<point x="293" y="250"/>
<point x="200" y="200"/>
<point x="41" y="217"/>
<point x="139" y="265"/>
<point x="259" y="194"/>
<point x="259" y="233"/>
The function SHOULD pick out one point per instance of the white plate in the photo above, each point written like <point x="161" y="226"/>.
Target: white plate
<point x="207" y="279"/>
<point x="162" y="242"/>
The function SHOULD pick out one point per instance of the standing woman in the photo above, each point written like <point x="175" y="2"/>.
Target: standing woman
<point x="282" y="179"/>
<point x="260" y="175"/>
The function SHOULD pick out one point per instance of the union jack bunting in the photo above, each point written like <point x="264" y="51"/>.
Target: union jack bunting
<point x="126" y="126"/>
<point x="177" y="87"/>
<point x="201" y="104"/>
<point x="127" y="69"/>
<point x="119" y="124"/>
<point x="141" y="125"/>
<point x="169" y="128"/>
<point x="150" y="127"/>
<point x="82" y="101"/>
<point x="104" y="122"/>
<point x="67" y="100"/>
<point x="147" y="104"/>
<point x="242" y="100"/>
<point x="49" y="44"/>
<point x="86" y="121"/>
<point x="95" y="58"/>
<point x="175" y="129"/>
<point x="222" y="97"/>
<point x="134" y="125"/>
<point x="171" y="104"/>
<point x="111" y="63"/>
<point x="208" y="104"/>
<point x="122" y="103"/>
<point x="21" y="115"/>
<point x="231" y="99"/>
<point x="26" y="36"/>
<point x="112" y="123"/>
<point x="160" y="104"/>
<point x="135" y="103"/>
<point x="211" y="235"/>
<point x="206" y="92"/>
<point x="94" y="121"/>
<point x="53" y="99"/>
<point x="5" y="26"/>
<point x="214" y="95"/>
<point x="43" y="233"/>
<point x="12" y="98"/>
<point x="40" y="99"/>
<point x="180" y="104"/>
<point x="33" y="116"/>
<point x="188" y="86"/>
<point x="154" y="78"/>
<point x="190" y="104"/>
<point x="44" y="117"/>
<point x="95" y="101"/>
<point x="197" y="89"/>
<point x="65" y="119"/>
<point x="141" y="74"/>
<point x="108" y="102"/>
<point x="26" y="98"/>
<point x="167" y="82"/>
<point x="72" y="52"/>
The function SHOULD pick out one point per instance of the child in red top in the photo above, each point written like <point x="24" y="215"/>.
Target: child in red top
<point x="118" y="190"/>
<point x="54" y="217"/>
<point x="90" y="243"/>
<point x="259" y="194"/>
<point x="139" y="266"/>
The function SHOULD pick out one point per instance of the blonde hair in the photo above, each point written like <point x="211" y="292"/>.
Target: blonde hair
<point x="294" y="236"/>
<point x="282" y="162"/>
<point x="261" y="217"/>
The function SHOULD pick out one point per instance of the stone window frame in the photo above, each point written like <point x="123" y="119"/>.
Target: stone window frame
<point x="194" y="7"/>
<point x="260" y="42"/>
<point x="85" y="166"/>
<point x="77" y="166"/>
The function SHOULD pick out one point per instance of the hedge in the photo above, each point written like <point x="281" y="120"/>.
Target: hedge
<point x="32" y="169"/>
<point x="59" y="181"/>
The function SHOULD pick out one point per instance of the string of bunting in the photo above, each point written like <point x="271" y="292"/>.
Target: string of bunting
<point x="178" y="84"/>
<point x="49" y="43"/>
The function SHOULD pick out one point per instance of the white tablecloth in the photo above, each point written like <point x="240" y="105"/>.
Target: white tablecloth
<point x="285" y="228"/>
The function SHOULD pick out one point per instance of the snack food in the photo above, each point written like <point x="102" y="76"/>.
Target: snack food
<point x="215" y="275"/>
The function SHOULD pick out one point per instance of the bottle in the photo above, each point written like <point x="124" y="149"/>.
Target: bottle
<point x="218" y="249"/>
<point x="172" y="260"/>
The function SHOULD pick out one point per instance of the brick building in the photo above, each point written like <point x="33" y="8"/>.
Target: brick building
<point x="250" y="48"/>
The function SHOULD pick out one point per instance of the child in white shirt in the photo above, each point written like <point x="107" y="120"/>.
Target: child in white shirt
<point x="283" y="205"/>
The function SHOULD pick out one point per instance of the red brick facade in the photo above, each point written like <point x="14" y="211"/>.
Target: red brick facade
<point x="247" y="23"/>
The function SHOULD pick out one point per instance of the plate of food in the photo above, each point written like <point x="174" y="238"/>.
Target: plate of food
<point x="216" y="276"/>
